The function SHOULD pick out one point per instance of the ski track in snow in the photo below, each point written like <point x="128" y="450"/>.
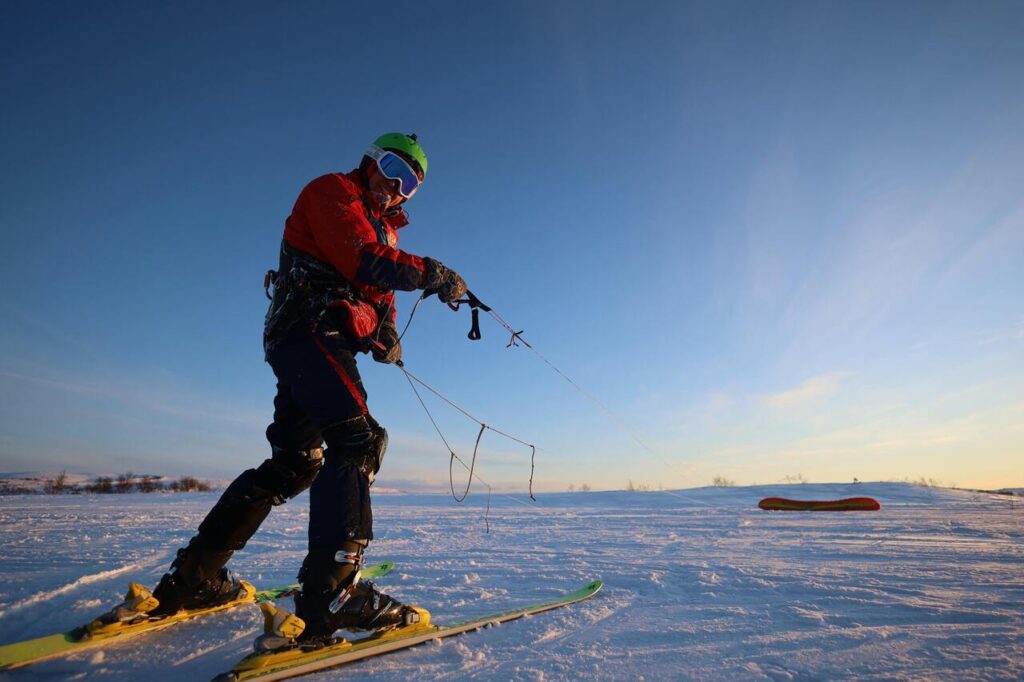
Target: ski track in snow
<point x="700" y="584"/>
<point x="48" y="594"/>
<point x="57" y="591"/>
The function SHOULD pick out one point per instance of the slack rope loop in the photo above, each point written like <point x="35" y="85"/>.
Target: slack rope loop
<point x="515" y="340"/>
<point x="515" y="336"/>
<point x="472" y="466"/>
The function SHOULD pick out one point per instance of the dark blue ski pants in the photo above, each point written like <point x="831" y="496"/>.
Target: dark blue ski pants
<point x="319" y="392"/>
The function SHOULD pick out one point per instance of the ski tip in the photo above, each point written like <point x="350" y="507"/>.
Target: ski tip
<point x="386" y="565"/>
<point x="594" y="586"/>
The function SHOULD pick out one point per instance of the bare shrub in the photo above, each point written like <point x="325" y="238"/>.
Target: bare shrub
<point x="104" y="485"/>
<point x="125" y="482"/>
<point x="722" y="482"/>
<point x="59" y="485"/>
<point x="150" y="484"/>
<point x="189" y="484"/>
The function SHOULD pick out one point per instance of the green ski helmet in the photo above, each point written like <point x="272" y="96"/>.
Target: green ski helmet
<point x="407" y="146"/>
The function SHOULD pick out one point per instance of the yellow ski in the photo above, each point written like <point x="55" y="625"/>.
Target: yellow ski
<point x="293" y="661"/>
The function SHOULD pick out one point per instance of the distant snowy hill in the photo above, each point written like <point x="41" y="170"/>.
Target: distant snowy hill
<point x="700" y="584"/>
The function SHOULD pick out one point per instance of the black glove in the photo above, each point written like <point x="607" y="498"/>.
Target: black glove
<point x="445" y="282"/>
<point x="387" y="349"/>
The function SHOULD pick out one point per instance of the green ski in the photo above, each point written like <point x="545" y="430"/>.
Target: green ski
<point x="95" y="634"/>
<point x="282" y="664"/>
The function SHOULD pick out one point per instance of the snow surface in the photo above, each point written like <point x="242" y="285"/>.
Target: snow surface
<point x="700" y="584"/>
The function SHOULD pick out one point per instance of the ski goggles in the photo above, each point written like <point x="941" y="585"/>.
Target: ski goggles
<point x="394" y="167"/>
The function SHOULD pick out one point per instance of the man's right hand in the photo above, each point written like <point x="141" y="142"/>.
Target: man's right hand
<point x="386" y="347"/>
<point x="445" y="282"/>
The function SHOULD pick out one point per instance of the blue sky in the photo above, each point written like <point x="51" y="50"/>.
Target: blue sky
<point x="774" y="238"/>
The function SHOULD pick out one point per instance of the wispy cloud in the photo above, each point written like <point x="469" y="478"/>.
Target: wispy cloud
<point x="149" y="395"/>
<point x="822" y="288"/>
<point x="56" y="384"/>
<point x="37" y="326"/>
<point x="1014" y="333"/>
<point x="813" y="391"/>
<point x="1002" y="238"/>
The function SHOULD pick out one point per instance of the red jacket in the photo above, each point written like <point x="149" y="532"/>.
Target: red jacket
<point x="334" y="221"/>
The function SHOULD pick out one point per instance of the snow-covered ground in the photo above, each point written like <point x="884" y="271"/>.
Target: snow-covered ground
<point x="700" y="584"/>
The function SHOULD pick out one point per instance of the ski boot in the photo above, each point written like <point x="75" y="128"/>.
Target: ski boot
<point x="197" y="580"/>
<point x="334" y="598"/>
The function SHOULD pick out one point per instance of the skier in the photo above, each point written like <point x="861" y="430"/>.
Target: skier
<point x="333" y="298"/>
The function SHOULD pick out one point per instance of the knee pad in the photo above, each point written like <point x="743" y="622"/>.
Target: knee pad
<point x="361" y="441"/>
<point x="288" y="472"/>
<point x="247" y="501"/>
